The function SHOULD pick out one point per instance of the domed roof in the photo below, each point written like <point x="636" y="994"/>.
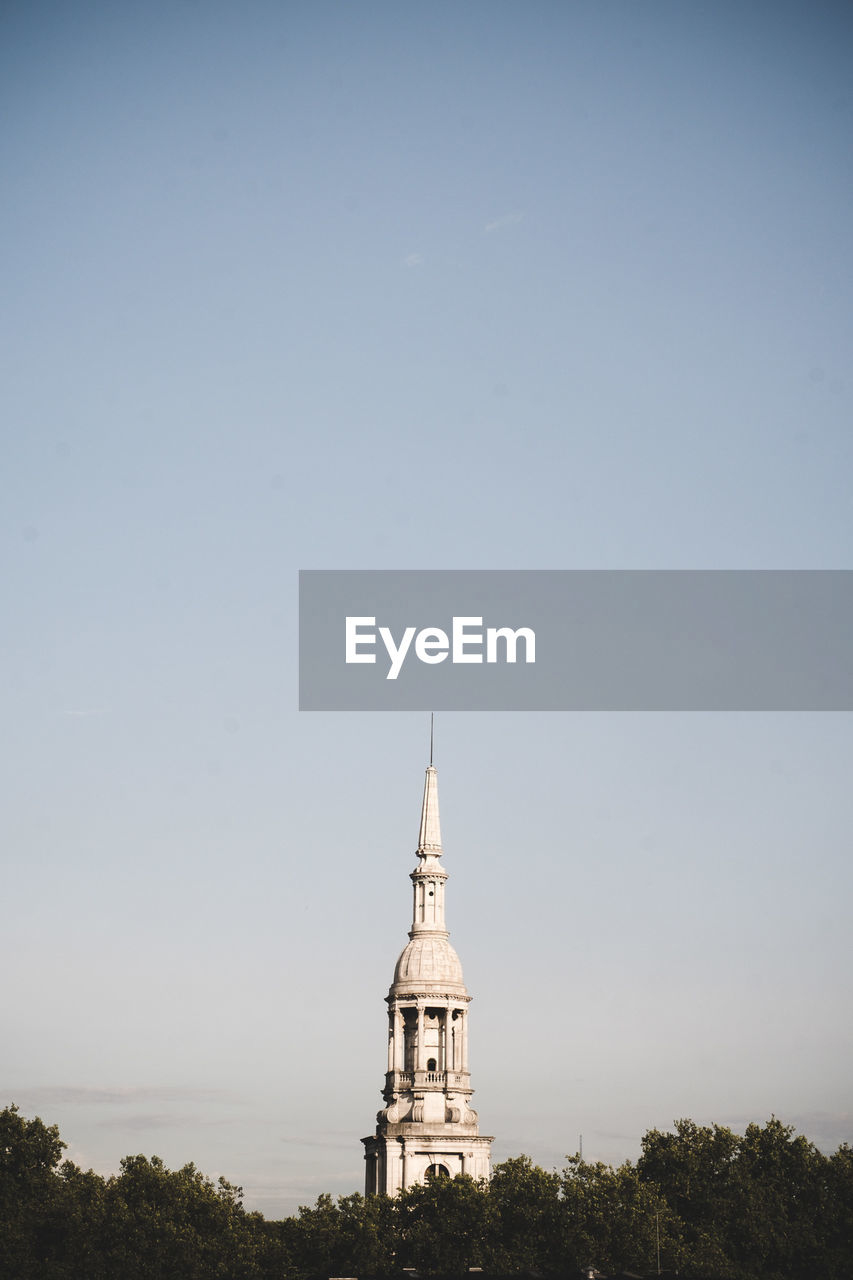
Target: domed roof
<point x="429" y="962"/>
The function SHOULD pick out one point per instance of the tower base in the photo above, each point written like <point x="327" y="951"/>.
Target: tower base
<point x="395" y="1162"/>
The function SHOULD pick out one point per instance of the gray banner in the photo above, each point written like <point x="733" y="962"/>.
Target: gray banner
<point x="551" y="640"/>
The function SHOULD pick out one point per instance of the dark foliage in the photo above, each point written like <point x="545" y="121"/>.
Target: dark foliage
<point x="700" y="1202"/>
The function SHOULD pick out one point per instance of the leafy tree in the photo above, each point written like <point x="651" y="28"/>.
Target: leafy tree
<point x="443" y="1225"/>
<point x="767" y="1206"/>
<point x="615" y="1221"/>
<point x="777" y="1219"/>
<point x="838" y="1226"/>
<point x="165" y="1225"/>
<point x="315" y="1238"/>
<point x="375" y="1247"/>
<point x="32" y="1221"/>
<point x="525" y="1218"/>
<point x="693" y="1169"/>
<point x="83" y="1206"/>
<point x="761" y="1207"/>
<point x="352" y="1236"/>
<point x="267" y="1253"/>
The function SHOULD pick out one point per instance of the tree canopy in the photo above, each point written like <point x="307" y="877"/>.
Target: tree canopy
<point x="701" y="1201"/>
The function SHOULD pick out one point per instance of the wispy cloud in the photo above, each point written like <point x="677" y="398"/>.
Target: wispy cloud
<point x="74" y="1096"/>
<point x="163" y="1120"/>
<point x="507" y="220"/>
<point x="614" y="1135"/>
<point x="413" y="260"/>
<point x="339" y="1140"/>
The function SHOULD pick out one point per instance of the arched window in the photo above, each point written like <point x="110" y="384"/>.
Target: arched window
<point x="437" y="1171"/>
<point x="431" y="1064"/>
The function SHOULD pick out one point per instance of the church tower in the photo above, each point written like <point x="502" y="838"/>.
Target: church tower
<point x="427" y="1128"/>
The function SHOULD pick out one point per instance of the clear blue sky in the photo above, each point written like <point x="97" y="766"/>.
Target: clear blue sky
<point x="425" y="286"/>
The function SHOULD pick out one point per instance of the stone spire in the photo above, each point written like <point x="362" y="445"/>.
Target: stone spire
<point x="429" y="837"/>
<point x="429" y="876"/>
<point x="427" y="1127"/>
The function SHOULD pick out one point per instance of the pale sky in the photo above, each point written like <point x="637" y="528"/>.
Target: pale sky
<point x="427" y="286"/>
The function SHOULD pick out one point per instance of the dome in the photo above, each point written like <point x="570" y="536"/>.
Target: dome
<point x="429" y="961"/>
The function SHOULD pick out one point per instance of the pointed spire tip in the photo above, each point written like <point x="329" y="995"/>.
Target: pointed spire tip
<point x="429" y="836"/>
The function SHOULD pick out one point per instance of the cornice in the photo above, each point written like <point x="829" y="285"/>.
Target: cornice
<point x="412" y="997"/>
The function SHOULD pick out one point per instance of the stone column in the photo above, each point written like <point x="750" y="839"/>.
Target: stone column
<point x="419" y="1059"/>
<point x="398" y="1048"/>
<point x="464" y="1021"/>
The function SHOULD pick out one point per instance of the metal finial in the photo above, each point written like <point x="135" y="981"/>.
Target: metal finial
<point x="431" y="726"/>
